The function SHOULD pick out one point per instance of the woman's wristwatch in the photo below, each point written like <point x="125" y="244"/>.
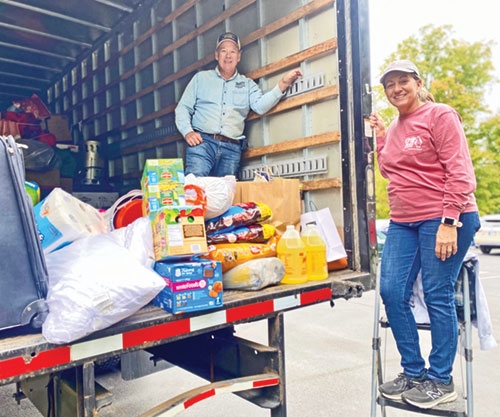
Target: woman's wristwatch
<point x="450" y="221"/>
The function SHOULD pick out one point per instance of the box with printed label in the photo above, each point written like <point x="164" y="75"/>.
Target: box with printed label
<point x="178" y="230"/>
<point x="190" y="286"/>
<point x="162" y="184"/>
<point x="162" y="195"/>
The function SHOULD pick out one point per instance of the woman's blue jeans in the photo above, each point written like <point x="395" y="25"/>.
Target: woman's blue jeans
<point x="213" y="157"/>
<point x="409" y="248"/>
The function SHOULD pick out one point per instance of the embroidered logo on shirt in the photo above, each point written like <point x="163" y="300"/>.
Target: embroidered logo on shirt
<point x="413" y="144"/>
<point x="240" y="84"/>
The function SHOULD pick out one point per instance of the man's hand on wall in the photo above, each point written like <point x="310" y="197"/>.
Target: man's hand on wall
<point x="289" y="78"/>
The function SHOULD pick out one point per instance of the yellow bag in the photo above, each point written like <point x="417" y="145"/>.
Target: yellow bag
<point x="232" y="254"/>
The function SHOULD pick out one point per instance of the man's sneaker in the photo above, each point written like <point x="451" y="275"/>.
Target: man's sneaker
<point x="430" y="393"/>
<point x="393" y="389"/>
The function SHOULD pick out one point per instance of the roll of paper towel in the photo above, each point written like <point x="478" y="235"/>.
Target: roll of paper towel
<point x="62" y="219"/>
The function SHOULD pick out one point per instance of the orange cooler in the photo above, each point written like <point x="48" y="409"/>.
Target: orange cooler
<point x="292" y="251"/>
<point x="317" y="268"/>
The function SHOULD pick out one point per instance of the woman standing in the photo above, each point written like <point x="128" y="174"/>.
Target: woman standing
<point x="425" y="157"/>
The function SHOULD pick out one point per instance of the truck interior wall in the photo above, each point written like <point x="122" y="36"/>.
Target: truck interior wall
<point x="317" y="118"/>
<point x="129" y="86"/>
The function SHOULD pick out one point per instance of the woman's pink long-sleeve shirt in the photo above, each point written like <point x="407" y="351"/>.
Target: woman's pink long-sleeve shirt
<point x="425" y="157"/>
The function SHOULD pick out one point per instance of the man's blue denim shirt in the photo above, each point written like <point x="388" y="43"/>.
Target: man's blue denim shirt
<point x="214" y="105"/>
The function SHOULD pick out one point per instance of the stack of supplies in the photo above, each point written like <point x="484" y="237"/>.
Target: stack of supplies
<point x="237" y="239"/>
<point x="177" y="216"/>
<point x="178" y="228"/>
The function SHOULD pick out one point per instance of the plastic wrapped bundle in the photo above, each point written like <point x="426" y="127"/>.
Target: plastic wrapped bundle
<point x="255" y="274"/>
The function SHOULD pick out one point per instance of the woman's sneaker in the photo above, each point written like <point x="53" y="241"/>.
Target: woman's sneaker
<point x="393" y="389"/>
<point x="430" y="393"/>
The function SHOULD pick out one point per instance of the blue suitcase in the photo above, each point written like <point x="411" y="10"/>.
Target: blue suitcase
<point x="23" y="273"/>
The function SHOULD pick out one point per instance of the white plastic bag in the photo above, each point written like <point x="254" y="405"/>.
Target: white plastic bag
<point x="220" y="192"/>
<point x="94" y="283"/>
<point x="323" y="221"/>
<point x="137" y="237"/>
<point x="254" y="274"/>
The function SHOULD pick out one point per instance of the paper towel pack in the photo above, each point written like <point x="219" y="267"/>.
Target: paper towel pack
<point x="62" y="219"/>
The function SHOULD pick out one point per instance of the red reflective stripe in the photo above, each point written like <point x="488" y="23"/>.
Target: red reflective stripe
<point x="252" y="310"/>
<point x="372" y="229"/>
<point x="198" y="398"/>
<point x="153" y="333"/>
<point x="266" y="383"/>
<point x="314" y="296"/>
<point x="42" y="360"/>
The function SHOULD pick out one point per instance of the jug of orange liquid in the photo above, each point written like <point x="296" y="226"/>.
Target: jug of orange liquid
<point x="292" y="251"/>
<point x="317" y="268"/>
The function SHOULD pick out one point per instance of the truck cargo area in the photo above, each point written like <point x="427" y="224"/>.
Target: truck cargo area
<point x="110" y="73"/>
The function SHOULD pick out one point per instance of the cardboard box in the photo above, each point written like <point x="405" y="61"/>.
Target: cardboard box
<point x="159" y="171"/>
<point x="47" y="179"/>
<point x="162" y="195"/>
<point x="97" y="200"/>
<point x="178" y="231"/>
<point x="67" y="184"/>
<point x="190" y="286"/>
<point x="57" y="124"/>
<point x="162" y="184"/>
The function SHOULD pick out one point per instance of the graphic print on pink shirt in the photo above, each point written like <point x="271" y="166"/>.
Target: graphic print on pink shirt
<point x="413" y="143"/>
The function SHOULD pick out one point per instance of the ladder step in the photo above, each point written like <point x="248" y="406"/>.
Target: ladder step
<point x="384" y="324"/>
<point x="455" y="408"/>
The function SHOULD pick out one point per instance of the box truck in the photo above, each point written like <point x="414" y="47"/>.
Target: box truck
<point x="113" y="70"/>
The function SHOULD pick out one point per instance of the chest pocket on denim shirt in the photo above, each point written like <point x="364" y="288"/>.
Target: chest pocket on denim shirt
<point x="240" y="97"/>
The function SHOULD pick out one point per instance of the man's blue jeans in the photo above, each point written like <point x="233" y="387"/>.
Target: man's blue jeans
<point x="409" y="248"/>
<point x="213" y="158"/>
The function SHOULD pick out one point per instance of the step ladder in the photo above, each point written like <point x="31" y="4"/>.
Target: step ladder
<point x="463" y="406"/>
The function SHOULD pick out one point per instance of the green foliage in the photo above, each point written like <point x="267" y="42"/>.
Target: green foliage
<point x="381" y="196"/>
<point x="457" y="73"/>
<point x="484" y="146"/>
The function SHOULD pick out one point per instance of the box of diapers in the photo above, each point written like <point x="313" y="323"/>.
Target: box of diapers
<point x="62" y="219"/>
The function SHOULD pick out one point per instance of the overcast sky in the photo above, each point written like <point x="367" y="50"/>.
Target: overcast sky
<point x="392" y="21"/>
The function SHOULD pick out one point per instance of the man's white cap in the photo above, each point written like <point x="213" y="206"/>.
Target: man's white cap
<point x="404" y="65"/>
<point x="229" y="36"/>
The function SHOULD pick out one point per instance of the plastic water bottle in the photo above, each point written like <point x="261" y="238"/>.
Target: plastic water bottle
<point x="317" y="268"/>
<point x="292" y="251"/>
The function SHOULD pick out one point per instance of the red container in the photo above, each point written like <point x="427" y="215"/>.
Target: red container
<point x="128" y="213"/>
<point x="48" y="138"/>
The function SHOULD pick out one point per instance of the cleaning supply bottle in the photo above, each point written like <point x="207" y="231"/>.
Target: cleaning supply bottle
<point x="317" y="268"/>
<point x="292" y="251"/>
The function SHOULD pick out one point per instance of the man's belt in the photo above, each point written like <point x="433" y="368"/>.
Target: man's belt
<point x="222" y="138"/>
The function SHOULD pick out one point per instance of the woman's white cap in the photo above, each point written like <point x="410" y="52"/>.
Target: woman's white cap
<point x="404" y="65"/>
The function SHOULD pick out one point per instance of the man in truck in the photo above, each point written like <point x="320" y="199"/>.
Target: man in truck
<point x="212" y="111"/>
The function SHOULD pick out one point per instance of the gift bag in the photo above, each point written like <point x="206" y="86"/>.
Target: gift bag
<point x="282" y="195"/>
<point x="324" y="223"/>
